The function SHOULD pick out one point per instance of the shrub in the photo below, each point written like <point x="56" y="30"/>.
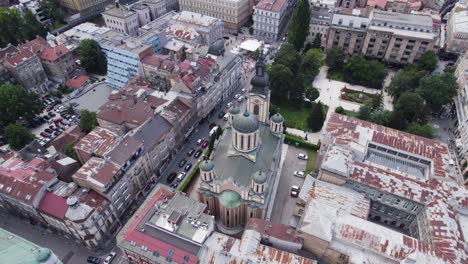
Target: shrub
<point x="340" y="110"/>
<point x="193" y="175"/>
<point x="297" y="141"/>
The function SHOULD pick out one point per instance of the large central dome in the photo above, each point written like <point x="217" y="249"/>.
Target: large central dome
<point x="245" y="123"/>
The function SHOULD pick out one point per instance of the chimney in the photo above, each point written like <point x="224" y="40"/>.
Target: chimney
<point x="117" y="3"/>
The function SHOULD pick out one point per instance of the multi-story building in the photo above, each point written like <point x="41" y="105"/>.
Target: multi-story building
<point x="122" y="19"/>
<point x="86" y="9"/>
<point x="461" y="104"/>
<point x="80" y="214"/>
<point x="321" y="12"/>
<point x="391" y="37"/>
<point x="58" y="62"/>
<point x="457" y="32"/>
<point x="210" y="28"/>
<point x="15" y="249"/>
<point x="168" y="227"/>
<point x="238" y="183"/>
<point x="234" y="13"/>
<point x="97" y="143"/>
<point x="124" y="55"/>
<point x="270" y="19"/>
<point x="382" y="196"/>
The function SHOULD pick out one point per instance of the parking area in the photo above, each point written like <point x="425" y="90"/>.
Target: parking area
<point x="284" y="204"/>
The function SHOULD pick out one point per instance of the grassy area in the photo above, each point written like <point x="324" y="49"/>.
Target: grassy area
<point x="56" y="25"/>
<point x="335" y="75"/>
<point x="351" y="113"/>
<point x="296" y="117"/>
<point x="311" y="161"/>
<point x="358" y="96"/>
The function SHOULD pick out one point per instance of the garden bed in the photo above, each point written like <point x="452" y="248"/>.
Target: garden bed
<point x="358" y="96"/>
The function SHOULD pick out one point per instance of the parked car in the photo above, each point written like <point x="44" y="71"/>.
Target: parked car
<point x="171" y="177"/>
<point x="58" y="119"/>
<point x="48" y="130"/>
<point x="221" y="114"/>
<point x="212" y="125"/>
<point x="302" y="156"/>
<point x="243" y="90"/>
<point x="229" y="105"/>
<point x="299" y="174"/>
<point x="93" y="260"/>
<point x="181" y="176"/>
<point x="190" y="152"/>
<point x="182" y="163"/>
<point x="51" y="114"/>
<point x="295" y="190"/>
<point x="205" y="144"/>
<point x="174" y="185"/>
<point x="237" y="96"/>
<point x="198" y="153"/>
<point x="200" y="141"/>
<point x="44" y="134"/>
<point x="226" y="117"/>
<point x="110" y="257"/>
<point x="188" y="167"/>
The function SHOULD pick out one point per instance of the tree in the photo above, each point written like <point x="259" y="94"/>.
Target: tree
<point x="32" y="27"/>
<point x="16" y="103"/>
<point x="316" y="117"/>
<point x="281" y="78"/>
<point x="311" y="93"/>
<point x="17" y="136"/>
<point x="296" y="90"/>
<point x="317" y="42"/>
<point x="334" y="59"/>
<point x="69" y="151"/>
<point x="289" y="57"/>
<point x="411" y="108"/>
<point x="380" y="116"/>
<point x="364" y="112"/>
<point x="255" y="54"/>
<point x="251" y="30"/>
<point x="423" y="130"/>
<point x="437" y="90"/>
<point x="299" y="26"/>
<point x="427" y="62"/>
<point x="11" y="24"/>
<point x="405" y="80"/>
<point x="51" y="9"/>
<point x="340" y="110"/>
<point x="91" y="57"/>
<point x="88" y="121"/>
<point x="311" y="62"/>
<point x="368" y="73"/>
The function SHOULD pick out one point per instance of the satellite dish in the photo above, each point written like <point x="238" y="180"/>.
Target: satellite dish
<point x="72" y="200"/>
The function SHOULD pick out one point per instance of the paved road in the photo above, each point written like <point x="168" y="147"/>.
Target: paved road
<point x="284" y="204"/>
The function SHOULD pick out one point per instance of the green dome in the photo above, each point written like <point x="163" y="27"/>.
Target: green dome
<point x="43" y="255"/>
<point x="259" y="177"/>
<point x="245" y="123"/>
<point x="234" y="110"/>
<point x="230" y="199"/>
<point x="277" y="118"/>
<point x="207" y="165"/>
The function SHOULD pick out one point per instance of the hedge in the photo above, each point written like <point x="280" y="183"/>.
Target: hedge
<point x="193" y="174"/>
<point x="299" y="142"/>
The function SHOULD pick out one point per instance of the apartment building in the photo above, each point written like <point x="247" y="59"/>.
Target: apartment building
<point x="270" y="19"/>
<point x="391" y="37"/>
<point x="321" y="12"/>
<point x="86" y="9"/>
<point x="461" y="124"/>
<point x="457" y="32"/>
<point x="124" y="20"/>
<point x="382" y="191"/>
<point x="210" y="28"/>
<point x="79" y="214"/>
<point x="234" y="13"/>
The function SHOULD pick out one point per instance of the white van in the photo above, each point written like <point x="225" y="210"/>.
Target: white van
<point x="181" y="176"/>
<point x="225" y="117"/>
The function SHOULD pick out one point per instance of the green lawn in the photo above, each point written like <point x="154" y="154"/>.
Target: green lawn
<point x="296" y="117"/>
<point x="56" y="26"/>
<point x="336" y="75"/>
<point x="311" y="161"/>
<point x="351" y="113"/>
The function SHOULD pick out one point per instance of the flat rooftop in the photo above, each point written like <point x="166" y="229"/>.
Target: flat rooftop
<point x="17" y="250"/>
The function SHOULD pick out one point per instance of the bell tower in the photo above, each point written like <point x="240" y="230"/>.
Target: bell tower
<point x="258" y="100"/>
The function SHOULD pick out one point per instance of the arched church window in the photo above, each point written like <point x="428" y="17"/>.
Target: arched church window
<point x="256" y="109"/>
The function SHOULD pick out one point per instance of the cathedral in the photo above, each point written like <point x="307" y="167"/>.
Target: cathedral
<point x="241" y="174"/>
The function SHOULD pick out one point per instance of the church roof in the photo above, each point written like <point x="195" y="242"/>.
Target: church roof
<point x="230" y="199"/>
<point x="245" y="123"/>
<point x="259" y="177"/>
<point x="277" y="118"/>
<point x="206" y="165"/>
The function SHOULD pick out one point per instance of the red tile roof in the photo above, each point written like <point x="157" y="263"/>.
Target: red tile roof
<point x="97" y="172"/>
<point x="7" y="51"/>
<point x="54" y="53"/>
<point x="20" y="57"/>
<point x="99" y="141"/>
<point x="36" y="45"/>
<point x="53" y="205"/>
<point x="77" y="82"/>
<point x="270" y="229"/>
<point x="272" y="5"/>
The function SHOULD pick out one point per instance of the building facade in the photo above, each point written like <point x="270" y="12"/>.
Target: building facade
<point x="122" y="19"/>
<point x="234" y="13"/>
<point x="26" y="68"/>
<point x="321" y="12"/>
<point x="270" y="19"/>
<point x="461" y="104"/>
<point x="457" y="32"/>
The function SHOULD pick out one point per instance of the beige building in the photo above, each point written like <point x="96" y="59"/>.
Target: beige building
<point x="234" y="13"/>
<point x="86" y="8"/>
<point x="457" y="32"/>
<point x="461" y="103"/>
<point x="122" y="19"/>
<point x="391" y="37"/>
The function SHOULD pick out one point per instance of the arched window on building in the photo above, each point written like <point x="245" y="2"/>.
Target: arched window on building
<point x="256" y="109"/>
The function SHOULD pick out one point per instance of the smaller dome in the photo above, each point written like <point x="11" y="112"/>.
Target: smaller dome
<point x="217" y="48"/>
<point x="259" y="177"/>
<point x="245" y="123"/>
<point x="234" y="110"/>
<point x="230" y="199"/>
<point x="43" y="255"/>
<point x="277" y="118"/>
<point x="207" y="165"/>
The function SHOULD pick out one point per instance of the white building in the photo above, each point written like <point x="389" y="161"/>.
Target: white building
<point x="122" y="19"/>
<point x="270" y="19"/>
<point x="457" y="32"/>
<point x="461" y="103"/>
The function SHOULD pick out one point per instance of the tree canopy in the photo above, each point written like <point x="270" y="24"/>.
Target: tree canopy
<point x="17" y="136"/>
<point x="428" y="61"/>
<point x="16" y="103"/>
<point x="281" y="78"/>
<point x="92" y="57"/>
<point x="423" y="130"/>
<point x="32" y="27"/>
<point x="312" y="60"/>
<point x="70" y="151"/>
<point x="311" y="93"/>
<point x="15" y="28"/>
<point x="288" y="57"/>
<point x="299" y="26"/>
<point x="405" y="80"/>
<point x="358" y="70"/>
<point x="317" y="42"/>
<point x="411" y="107"/>
<point x="335" y="59"/>
<point x="51" y="9"/>
<point x="88" y="121"/>
<point x="316" y="117"/>
<point x="437" y="90"/>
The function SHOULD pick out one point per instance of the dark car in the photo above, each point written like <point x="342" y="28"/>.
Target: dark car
<point x="212" y="125"/>
<point x="205" y="144"/>
<point x="51" y="114"/>
<point x="46" y="117"/>
<point x="51" y="126"/>
<point x="190" y="152"/>
<point x="44" y="134"/>
<point x="198" y="153"/>
<point x="174" y="185"/>
<point x="182" y="163"/>
<point x="188" y="167"/>
<point x="171" y="177"/>
<point x="93" y="260"/>
<point x="221" y="114"/>
<point x="48" y="130"/>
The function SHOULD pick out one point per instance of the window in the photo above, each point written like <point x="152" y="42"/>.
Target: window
<point x="380" y="196"/>
<point x="170" y="252"/>
<point x="133" y="243"/>
<point x="144" y="248"/>
<point x="186" y="258"/>
<point x="156" y="253"/>
<point x="242" y="142"/>
<point x="256" y="109"/>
